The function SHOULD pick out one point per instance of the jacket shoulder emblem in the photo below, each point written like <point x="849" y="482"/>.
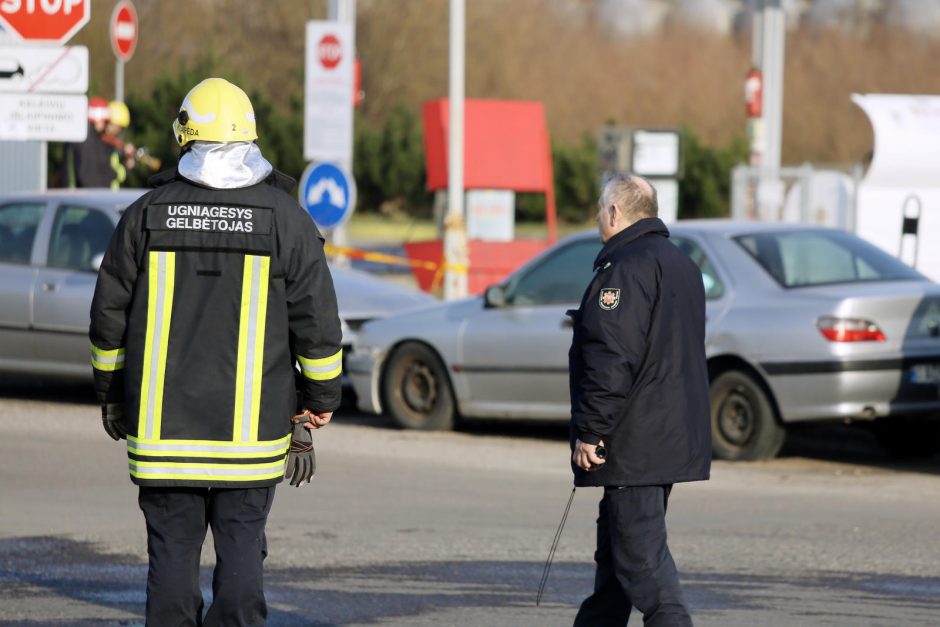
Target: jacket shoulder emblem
<point x="609" y="298"/>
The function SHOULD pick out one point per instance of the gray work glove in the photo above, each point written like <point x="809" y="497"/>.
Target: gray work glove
<point x="112" y="417"/>
<point x="301" y="458"/>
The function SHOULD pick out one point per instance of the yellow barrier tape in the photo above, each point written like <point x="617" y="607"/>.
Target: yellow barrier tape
<point x="393" y="260"/>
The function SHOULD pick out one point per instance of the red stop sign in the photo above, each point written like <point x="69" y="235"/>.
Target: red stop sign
<point x="124" y="30"/>
<point x="45" y="21"/>
<point x="329" y="51"/>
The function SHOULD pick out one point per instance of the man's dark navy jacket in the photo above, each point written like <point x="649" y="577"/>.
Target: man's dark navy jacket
<point x="638" y="376"/>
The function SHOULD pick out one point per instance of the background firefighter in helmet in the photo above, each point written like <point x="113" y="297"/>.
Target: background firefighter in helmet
<point x="123" y="155"/>
<point x="88" y="163"/>
<point x="213" y="286"/>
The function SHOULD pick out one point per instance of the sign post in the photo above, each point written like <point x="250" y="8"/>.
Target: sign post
<point x="456" y="254"/>
<point x="329" y="94"/>
<point x="123" y="29"/>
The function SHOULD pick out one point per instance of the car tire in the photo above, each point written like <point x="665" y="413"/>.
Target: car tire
<point x="416" y="389"/>
<point x="908" y="439"/>
<point x="743" y="421"/>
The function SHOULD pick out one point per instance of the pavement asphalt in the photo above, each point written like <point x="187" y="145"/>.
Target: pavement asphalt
<point x="407" y="528"/>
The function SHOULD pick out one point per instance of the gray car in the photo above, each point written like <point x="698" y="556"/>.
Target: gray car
<point x="803" y="324"/>
<point x="51" y="245"/>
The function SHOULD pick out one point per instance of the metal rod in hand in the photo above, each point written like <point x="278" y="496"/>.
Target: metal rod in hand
<point x="551" y="552"/>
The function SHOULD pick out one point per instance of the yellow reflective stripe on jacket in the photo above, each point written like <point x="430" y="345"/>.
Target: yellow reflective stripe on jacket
<point x="251" y="347"/>
<point x="159" y="309"/>
<point x="207" y="448"/>
<point x="107" y="360"/>
<point x="120" y="172"/>
<point x="195" y="471"/>
<point x="322" y="369"/>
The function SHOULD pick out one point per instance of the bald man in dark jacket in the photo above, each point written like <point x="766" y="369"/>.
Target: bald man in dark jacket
<point x="639" y="390"/>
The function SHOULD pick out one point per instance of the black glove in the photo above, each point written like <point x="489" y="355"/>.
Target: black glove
<point x="301" y="459"/>
<point x="112" y="417"/>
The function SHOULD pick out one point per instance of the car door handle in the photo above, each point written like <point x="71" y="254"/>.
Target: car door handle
<point x="48" y="287"/>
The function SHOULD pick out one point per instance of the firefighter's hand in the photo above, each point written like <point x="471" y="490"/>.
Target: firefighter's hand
<point x="301" y="458"/>
<point x="314" y="419"/>
<point x="130" y="156"/>
<point x="112" y="417"/>
<point x="585" y="455"/>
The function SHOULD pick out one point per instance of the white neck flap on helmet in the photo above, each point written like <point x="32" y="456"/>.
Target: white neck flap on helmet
<point x="224" y="165"/>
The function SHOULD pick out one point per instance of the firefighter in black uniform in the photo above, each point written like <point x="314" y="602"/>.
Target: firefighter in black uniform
<point x="213" y="286"/>
<point x="88" y="164"/>
<point x="639" y="390"/>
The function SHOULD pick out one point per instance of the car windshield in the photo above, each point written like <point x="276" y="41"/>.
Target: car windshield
<point x="802" y="258"/>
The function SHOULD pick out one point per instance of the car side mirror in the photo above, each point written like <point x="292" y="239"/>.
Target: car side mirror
<point x="495" y="296"/>
<point x="95" y="264"/>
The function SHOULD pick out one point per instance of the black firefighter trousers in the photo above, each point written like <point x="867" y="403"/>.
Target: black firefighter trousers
<point x="177" y="519"/>
<point x="634" y="565"/>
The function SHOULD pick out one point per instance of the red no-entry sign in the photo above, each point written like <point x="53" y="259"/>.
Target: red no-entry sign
<point x="124" y="30"/>
<point x="44" y="21"/>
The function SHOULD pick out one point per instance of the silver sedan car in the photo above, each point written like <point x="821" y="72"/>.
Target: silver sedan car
<point x="803" y="324"/>
<point x="51" y="245"/>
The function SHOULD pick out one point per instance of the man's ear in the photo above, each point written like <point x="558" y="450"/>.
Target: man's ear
<point x="615" y="214"/>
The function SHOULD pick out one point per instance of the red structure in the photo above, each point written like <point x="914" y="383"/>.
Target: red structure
<point x="506" y="147"/>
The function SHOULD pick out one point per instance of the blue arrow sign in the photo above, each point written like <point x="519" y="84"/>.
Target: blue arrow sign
<point x="328" y="194"/>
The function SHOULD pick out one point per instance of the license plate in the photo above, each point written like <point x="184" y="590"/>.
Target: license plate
<point x="925" y="373"/>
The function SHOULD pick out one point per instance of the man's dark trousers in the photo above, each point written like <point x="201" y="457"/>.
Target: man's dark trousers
<point x="634" y="566"/>
<point x="177" y="519"/>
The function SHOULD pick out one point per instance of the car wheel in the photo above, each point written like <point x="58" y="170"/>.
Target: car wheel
<point x="416" y="389"/>
<point x="908" y="438"/>
<point x="744" y="424"/>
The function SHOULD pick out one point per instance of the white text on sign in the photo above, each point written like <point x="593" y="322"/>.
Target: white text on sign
<point x="49" y="7"/>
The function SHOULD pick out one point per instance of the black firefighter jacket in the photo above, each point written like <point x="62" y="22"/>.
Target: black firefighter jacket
<point x="204" y="300"/>
<point x="638" y="376"/>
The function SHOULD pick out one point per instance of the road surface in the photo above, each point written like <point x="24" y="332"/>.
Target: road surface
<point x="407" y="528"/>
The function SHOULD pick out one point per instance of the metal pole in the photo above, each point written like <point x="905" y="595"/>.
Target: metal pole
<point x="455" y="232"/>
<point x="343" y="11"/>
<point x="43" y="166"/>
<point x="757" y="31"/>
<point x="119" y="80"/>
<point x="772" y="53"/>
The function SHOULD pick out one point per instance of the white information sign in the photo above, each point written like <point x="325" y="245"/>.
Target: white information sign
<point x="42" y="70"/>
<point x="328" y="91"/>
<point x="667" y="197"/>
<point x="43" y="117"/>
<point x="656" y="153"/>
<point x="491" y="214"/>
